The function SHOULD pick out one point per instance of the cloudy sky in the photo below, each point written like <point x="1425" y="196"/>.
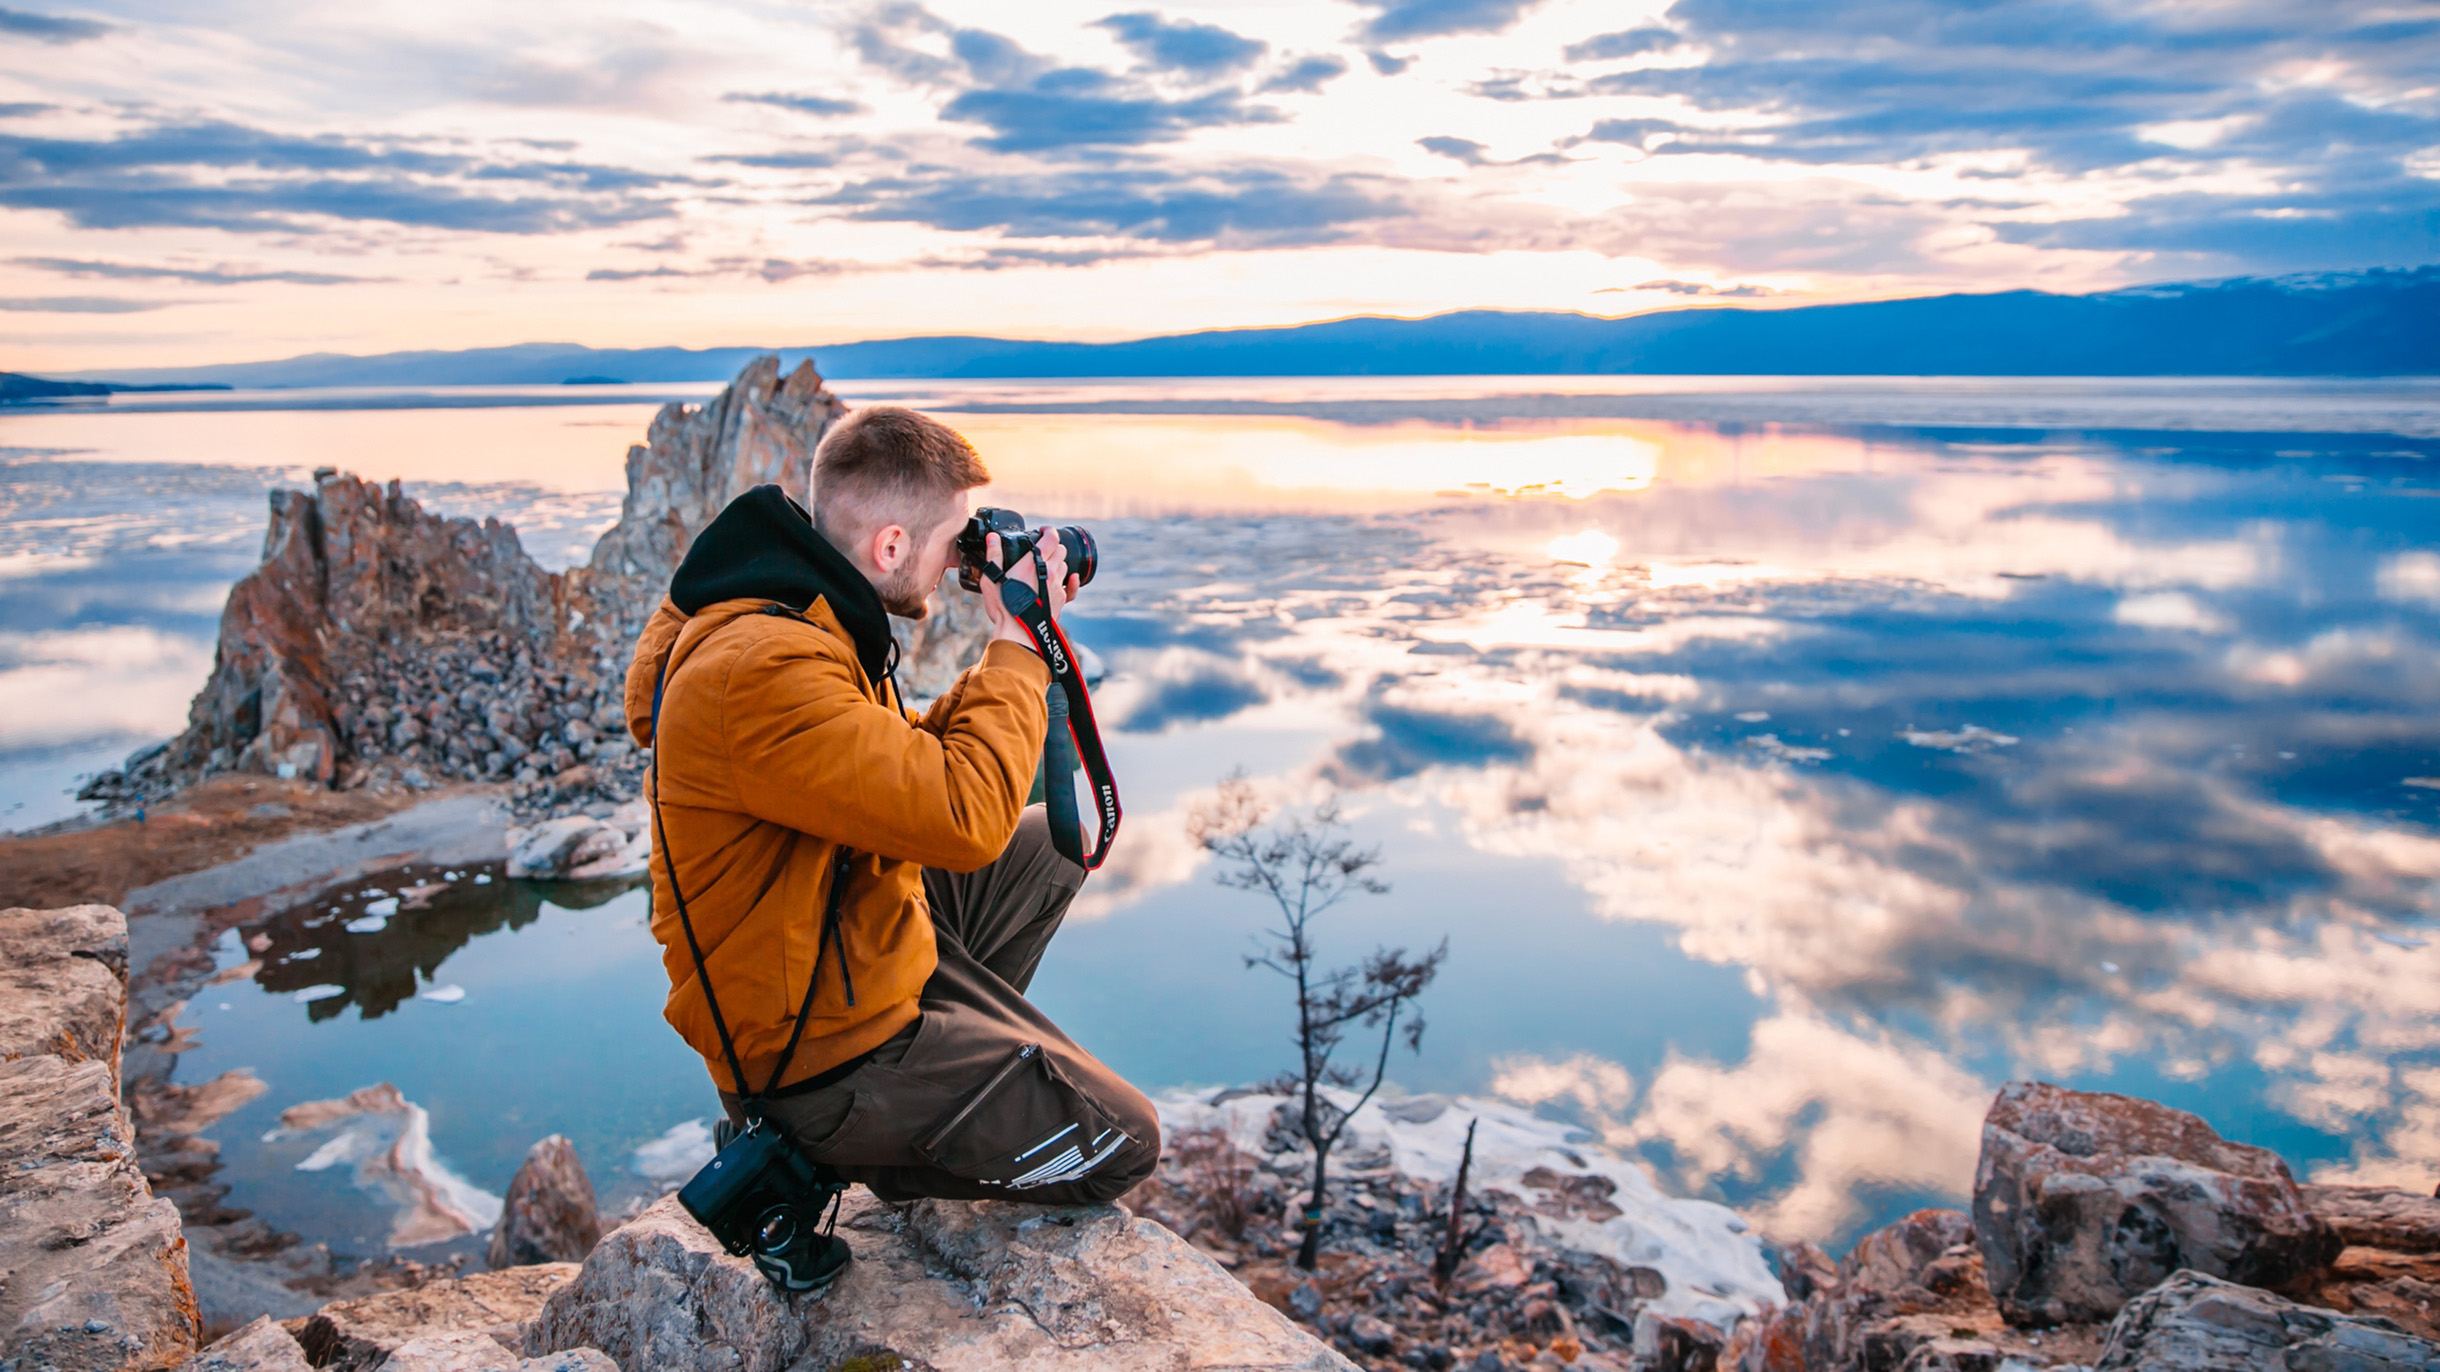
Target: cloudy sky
<point x="217" y="180"/>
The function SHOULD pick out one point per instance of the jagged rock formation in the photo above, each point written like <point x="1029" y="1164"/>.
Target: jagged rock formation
<point x="944" y="1285"/>
<point x="2084" y="1200"/>
<point x="92" y="1265"/>
<point x="549" y="1214"/>
<point x="381" y="645"/>
<point x="2195" y="1323"/>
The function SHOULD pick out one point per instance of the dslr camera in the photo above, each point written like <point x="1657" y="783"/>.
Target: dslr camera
<point x="1016" y="543"/>
<point x="765" y="1201"/>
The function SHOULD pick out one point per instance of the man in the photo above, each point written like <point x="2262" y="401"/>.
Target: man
<point x="785" y="765"/>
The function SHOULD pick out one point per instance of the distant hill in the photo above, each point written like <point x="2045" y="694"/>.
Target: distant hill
<point x="2369" y="323"/>
<point x="19" y="389"/>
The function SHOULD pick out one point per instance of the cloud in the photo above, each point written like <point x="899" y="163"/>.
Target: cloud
<point x="216" y="174"/>
<point x="200" y="276"/>
<point x="1610" y="47"/>
<point x="1306" y="74"/>
<point x="823" y="105"/>
<point x="1431" y="18"/>
<point x="786" y="161"/>
<point x="81" y="304"/>
<point x="1078" y="107"/>
<point x="1701" y="288"/>
<point x="1388" y="64"/>
<point x="19" y="109"/>
<point x="1239" y="206"/>
<point x="1181" y="45"/>
<point x="1471" y="153"/>
<point x="1633" y="132"/>
<point x="47" y="28"/>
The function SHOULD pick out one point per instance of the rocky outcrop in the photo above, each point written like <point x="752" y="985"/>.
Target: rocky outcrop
<point x="363" y="1334"/>
<point x="2195" y="1323"/>
<point x="549" y="1214"/>
<point x="583" y="847"/>
<point x="2085" y="1200"/>
<point x="264" y="1346"/>
<point x="63" y="984"/>
<point x="92" y="1265"/>
<point x="379" y="644"/>
<point x="943" y="1285"/>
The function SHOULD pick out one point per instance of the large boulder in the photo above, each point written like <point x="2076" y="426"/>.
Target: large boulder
<point x="362" y="1334"/>
<point x="264" y="1346"/>
<point x="63" y="984"/>
<point x="944" y="1285"/>
<point x="2195" y="1323"/>
<point x="379" y="643"/>
<point x="92" y="1264"/>
<point x="2084" y="1200"/>
<point x="549" y="1214"/>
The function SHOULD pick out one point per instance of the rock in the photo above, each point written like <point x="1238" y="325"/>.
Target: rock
<point x="369" y="646"/>
<point x="549" y="1215"/>
<point x="943" y="1285"/>
<point x="1371" y="1335"/>
<point x="2197" y="1323"/>
<point x="92" y="1264"/>
<point x="580" y="848"/>
<point x="1680" y="1345"/>
<point x="358" y="1335"/>
<point x="946" y="641"/>
<point x="451" y="1352"/>
<point x="262" y="1346"/>
<point x="2378" y="1217"/>
<point x="63" y="984"/>
<point x="2084" y="1200"/>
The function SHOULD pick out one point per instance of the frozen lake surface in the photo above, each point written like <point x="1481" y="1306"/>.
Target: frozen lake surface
<point x="1787" y="763"/>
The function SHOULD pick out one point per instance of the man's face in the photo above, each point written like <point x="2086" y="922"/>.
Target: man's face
<point x="905" y="590"/>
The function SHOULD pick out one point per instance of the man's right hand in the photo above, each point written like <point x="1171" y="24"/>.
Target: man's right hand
<point x="1062" y="586"/>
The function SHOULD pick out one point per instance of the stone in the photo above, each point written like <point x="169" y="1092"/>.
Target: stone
<point x="944" y="1285"/>
<point x="2378" y="1217"/>
<point x="549" y="1214"/>
<point x="2084" y="1200"/>
<point x="2197" y="1323"/>
<point x="358" y="1335"/>
<point x="92" y="1264"/>
<point x="63" y="984"/>
<point x="262" y="1346"/>
<point x="367" y="646"/>
<point x="450" y="1352"/>
<point x="1372" y="1335"/>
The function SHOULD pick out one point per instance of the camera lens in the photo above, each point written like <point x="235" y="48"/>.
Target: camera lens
<point x="1082" y="558"/>
<point x="778" y="1229"/>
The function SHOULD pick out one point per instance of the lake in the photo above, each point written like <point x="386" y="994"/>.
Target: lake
<point x="1787" y="763"/>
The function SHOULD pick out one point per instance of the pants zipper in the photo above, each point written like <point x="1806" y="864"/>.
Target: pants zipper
<point x="1024" y="1054"/>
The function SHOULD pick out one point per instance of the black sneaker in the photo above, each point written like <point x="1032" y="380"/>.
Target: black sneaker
<point x="795" y="1250"/>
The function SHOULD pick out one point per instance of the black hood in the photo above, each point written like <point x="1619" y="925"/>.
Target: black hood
<point x="763" y="547"/>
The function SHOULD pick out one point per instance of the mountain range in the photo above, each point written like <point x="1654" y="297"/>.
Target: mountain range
<point x="2380" y="322"/>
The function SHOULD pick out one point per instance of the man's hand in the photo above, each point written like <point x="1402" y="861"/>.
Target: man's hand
<point x="1063" y="587"/>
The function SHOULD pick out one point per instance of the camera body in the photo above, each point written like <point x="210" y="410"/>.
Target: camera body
<point x="764" y="1200"/>
<point x="1016" y="543"/>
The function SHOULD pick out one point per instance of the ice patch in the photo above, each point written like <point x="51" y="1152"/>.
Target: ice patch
<point x="444" y="995"/>
<point x="388" y="1139"/>
<point x="384" y="907"/>
<point x="2426" y="783"/>
<point x="1715" y="1268"/>
<point x="313" y="993"/>
<point x="370" y="924"/>
<point x="1772" y="746"/>
<point x="675" y="1155"/>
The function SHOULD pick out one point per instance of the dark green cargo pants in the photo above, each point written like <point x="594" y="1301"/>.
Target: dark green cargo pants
<point x="982" y="1097"/>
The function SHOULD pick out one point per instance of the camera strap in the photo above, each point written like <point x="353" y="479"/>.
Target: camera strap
<point x="842" y="858"/>
<point x="1073" y="737"/>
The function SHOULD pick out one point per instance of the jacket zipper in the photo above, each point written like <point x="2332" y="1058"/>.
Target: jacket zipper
<point x="1024" y="1054"/>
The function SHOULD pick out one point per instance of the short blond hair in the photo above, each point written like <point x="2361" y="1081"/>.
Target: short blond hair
<point x="888" y="465"/>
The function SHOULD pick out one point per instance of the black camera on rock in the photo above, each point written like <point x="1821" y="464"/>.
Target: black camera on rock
<point x="765" y="1201"/>
<point x="1016" y="543"/>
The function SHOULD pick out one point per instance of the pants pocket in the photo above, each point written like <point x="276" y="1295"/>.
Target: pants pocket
<point x="1026" y="1126"/>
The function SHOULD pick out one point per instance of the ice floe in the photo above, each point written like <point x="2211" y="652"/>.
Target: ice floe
<point x="388" y="1140"/>
<point x="676" y="1155"/>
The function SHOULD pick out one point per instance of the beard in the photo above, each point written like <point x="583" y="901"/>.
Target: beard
<point x="903" y="596"/>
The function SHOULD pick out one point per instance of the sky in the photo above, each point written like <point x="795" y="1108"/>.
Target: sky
<point x="224" y="180"/>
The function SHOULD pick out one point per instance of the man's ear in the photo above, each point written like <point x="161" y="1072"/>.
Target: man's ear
<point x="891" y="545"/>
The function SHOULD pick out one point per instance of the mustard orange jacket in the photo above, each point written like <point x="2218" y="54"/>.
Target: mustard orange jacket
<point x="781" y="736"/>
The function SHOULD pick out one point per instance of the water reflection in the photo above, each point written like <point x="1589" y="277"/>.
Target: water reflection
<point x="1782" y="789"/>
